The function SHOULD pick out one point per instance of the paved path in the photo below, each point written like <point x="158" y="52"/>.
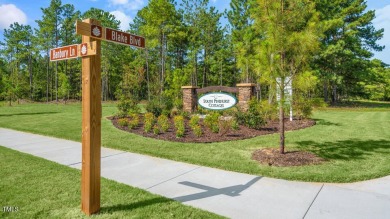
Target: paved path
<point x="231" y="194"/>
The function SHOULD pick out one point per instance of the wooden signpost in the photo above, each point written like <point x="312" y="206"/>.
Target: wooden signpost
<point x="90" y="51"/>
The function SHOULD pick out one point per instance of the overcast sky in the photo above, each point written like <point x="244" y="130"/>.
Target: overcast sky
<point x="27" y="11"/>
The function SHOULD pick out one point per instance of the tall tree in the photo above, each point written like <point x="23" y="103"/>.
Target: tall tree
<point x="243" y="37"/>
<point x="347" y="44"/>
<point x="17" y="50"/>
<point x="48" y="35"/>
<point x="290" y="36"/>
<point x="156" y="22"/>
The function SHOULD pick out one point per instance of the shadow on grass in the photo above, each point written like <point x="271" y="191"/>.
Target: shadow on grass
<point x="132" y="206"/>
<point x="27" y="114"/>
<point x="352" y="149"/>
<point x="325" y="122"/>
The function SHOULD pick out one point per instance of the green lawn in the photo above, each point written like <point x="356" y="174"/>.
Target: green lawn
<point x="44" y="189"/>
<point x="356" y="142"/>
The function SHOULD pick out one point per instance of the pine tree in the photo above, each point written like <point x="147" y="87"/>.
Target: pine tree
<point x="290" y="36"/>
<point x="346" y="45"/>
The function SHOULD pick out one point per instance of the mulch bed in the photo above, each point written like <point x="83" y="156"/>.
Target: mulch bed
<point x="272" y="157"/>
<point x="208" y="137"/>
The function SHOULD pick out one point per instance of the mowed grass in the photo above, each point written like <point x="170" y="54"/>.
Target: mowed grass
<point x="44" y="189"/>
<point x="356" y="142"/>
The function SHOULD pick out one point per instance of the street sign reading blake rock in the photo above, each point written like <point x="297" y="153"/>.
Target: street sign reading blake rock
<point x="217" y="101"/>
<point x="109" y="34"/>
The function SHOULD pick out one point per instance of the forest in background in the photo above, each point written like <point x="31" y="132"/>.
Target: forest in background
<point x="326" y="47"/>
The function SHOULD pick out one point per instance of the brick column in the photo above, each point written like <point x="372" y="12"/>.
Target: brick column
<point x="190" y="98"/>
<point x="245" y="93"/>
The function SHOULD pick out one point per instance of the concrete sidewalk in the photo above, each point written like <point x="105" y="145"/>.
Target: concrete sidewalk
<point x="231" y="194"/>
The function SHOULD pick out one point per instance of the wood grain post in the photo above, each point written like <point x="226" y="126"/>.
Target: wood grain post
<point x="91" y="128"/>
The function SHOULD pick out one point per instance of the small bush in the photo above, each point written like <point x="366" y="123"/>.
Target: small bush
<point x="225" y="124"/>
<point x="318" y="102"/>
<point x="127" y="105"/>
<point x="158" y="106"/>
<point x="194" y="121"/>
<point x="302" y="108"/>
<point x="134" y="120"/>
<point x="179" y="125"/>
<point x="123" y="122"/>
<point x="235" y="125"/>
<point x="197" y="131"/>
<point x="267" y="110"/>
<point x="252" y="118"/>
<point x="178" y="103"/>
<point x="148" y="122"/>
<point x="154" y="107"/>
<point x="163" y="122"/>
<point x="211" y="121"/>
<point x="156" y="129"/>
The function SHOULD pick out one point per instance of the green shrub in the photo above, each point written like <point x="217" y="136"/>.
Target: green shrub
<point x="302" y="108"/>
<point x="235" y="125"/>
<point x="179" y="125"/>
<point x="225" y="124"/>
<point x="197" y="131"/>
<point x="163" y="122"/>
<point x="126" y="106"/>
<point x="156" y="129"/>
<point x="178" y="103"/>
<point x="211" y="121"/>
<point x="194" y="121"/>
<point x="318" y="102"/>
<point x="134" y="120"/>
<point x="123" y="122"/>
<point x="267" y="110"/>
<point x="148" y="122"/>
<point x="154" y="107"/>
<point x="158" y="106"/>
<point x="252" y="118"/>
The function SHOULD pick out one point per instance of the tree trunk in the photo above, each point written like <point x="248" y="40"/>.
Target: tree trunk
<point x="47" y="77"/>
<point x="326" y="98"/>
<point x="334" y="93"/>
<point x="281" y="117"/>
<point x="31" y="77"/>
<point x="204" y="83"/>
<point x="147" y="73"/>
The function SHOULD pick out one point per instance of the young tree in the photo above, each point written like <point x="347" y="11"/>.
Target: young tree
<point x="290" y="36"/>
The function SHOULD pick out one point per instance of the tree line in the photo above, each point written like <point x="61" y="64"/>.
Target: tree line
<point x="326" y="47"/>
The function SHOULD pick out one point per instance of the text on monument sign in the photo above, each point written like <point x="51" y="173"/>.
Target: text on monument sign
<point x="217" y="101"/>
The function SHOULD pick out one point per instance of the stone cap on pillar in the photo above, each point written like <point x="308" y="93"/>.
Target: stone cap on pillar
<point x="245" y="85"/>
<point x="189" y="87"/>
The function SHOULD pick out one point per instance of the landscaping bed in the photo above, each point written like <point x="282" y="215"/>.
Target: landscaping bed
<point x="208" y="136"/>
<point x="272" y="157"/>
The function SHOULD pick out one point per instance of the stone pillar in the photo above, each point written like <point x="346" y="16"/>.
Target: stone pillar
<point x="245" y="92"/>
<point x="190" y="98"/>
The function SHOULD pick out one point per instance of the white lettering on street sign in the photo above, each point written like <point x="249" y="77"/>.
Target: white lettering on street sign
<point x="66" y="52"/>
<point x="108" y="34"/>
